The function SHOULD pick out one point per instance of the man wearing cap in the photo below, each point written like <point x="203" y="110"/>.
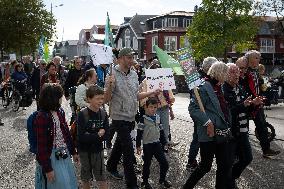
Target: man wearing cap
<point x="122" y="93"/>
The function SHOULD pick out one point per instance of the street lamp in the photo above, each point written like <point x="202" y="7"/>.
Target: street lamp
<point x="55" y="6"/>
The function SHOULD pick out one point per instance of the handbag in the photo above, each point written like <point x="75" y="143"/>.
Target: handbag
<point x="223" y="135"/>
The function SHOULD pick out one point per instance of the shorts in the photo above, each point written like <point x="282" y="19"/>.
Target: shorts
<point x="92" y="165"/>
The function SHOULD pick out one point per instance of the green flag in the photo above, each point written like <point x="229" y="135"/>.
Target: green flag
<point x="167" y="61"/>
<point x="108" y="33"/>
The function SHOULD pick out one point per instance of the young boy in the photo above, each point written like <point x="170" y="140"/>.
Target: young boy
<point x="150" y="131"/>
<point x="92" y="123"/>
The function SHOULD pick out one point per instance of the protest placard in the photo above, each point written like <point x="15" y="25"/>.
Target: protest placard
<point x="100" y="54"/>
<point x="160" y="78"/>
<point x="190" y="71"/>
<point x="191" y="74"/>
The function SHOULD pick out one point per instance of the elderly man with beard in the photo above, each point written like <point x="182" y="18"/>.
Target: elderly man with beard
<point x="249" y="80"/>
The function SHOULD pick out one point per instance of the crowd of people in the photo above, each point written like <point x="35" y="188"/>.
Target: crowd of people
<point x="220" y="110"/>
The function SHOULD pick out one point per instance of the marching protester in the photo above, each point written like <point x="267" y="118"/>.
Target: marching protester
<point x="122" y="93"/>
<point x="88" y="78"/>
<point x="54" y="168"/>
<point x="213" y="127"/>
<point x="50" y="76"/>
<point x="240" y="105"/>
<point x="150" y="130"/>
<point x="252" y="87"/>
<point x="102" y="71"/>
<point x="57" y="61"/>
<point x="28" y="65"/>
<point x="194" y="145"/>
<point x="73" y="76"/>
<point x="92" y="124"/>
<point x="19" y="78"/>
<point x="166" y="100"/>
<point x="38" y="72"/>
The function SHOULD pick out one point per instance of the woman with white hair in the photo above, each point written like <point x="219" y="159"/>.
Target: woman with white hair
<point x="213" y="127"/>
<point x="194" y="145"/>
<point x="252" y="87"/>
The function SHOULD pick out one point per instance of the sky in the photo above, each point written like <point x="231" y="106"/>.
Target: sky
<point x="75" y="15"/>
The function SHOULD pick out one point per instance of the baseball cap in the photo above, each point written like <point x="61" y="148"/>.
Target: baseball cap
<point x="125" y="52"/>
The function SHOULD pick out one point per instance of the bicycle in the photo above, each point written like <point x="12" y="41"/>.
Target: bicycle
<point x="7" y="94"/>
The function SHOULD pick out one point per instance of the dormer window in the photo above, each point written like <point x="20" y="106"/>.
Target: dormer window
<point x="186" y="22"/>
<point x="154" y="25"/>
<point x="172" y="22"/>
<point x="127" y="38"/>
<point x="164" y="22"/>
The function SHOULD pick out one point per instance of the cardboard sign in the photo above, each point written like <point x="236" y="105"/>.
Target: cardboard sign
<point x="160" y="78"/>
<point x="191" y="74"/>
<point x="101" y="54"/>
<point x="12" y="56"/>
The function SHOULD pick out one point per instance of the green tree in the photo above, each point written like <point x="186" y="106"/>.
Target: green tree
<point x="22" y="23"/>
<point x="220" y="24"/>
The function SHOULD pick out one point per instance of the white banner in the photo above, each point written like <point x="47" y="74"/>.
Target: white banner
<point x="101" y="54"/>
<point x="160" y="78"/>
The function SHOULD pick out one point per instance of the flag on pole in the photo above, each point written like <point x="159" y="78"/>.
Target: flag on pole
<point x="46" y="51"/>
<point x="167" y="61"/>
<point x="41" y="47"/>
<point x="108" y="33"/>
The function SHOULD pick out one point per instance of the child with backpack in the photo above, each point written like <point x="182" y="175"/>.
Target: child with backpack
<point x="53" y="144"/>
<point x="152" y="134"/>
<point x="92" y="123"/>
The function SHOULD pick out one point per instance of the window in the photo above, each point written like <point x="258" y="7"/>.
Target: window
<point x="135" y="43"/>
<point x="154" y="42"/>
<point x="127" y="38"/>
<point x="184" y="42"/>
<point x="282" y="45"/>
<point x="119" y="43"/>
<point x="154" y="25"/>
<point x="186" y="22"/>
<point x="267" y="45"/>
<point x="170" y="43"/>
<point x="164" y="23"/>
<point x="172" y="22"/>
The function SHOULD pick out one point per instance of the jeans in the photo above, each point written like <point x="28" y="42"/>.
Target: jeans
<point x="194" y="146"/>
<point x="164" y="113"/>
<point x="207" y="152"/>
<point x="261" y="129"/>
<point x="244" y="154"/>
<point x="123" y="145"/>
<point x="150" y="150"/>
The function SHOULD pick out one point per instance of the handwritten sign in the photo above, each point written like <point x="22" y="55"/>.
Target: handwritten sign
<point x="160" y="78"/>
<point x="101" y="54"/>
<point x="190" y="71"/>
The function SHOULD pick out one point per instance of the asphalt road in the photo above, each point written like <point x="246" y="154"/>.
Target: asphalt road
<point x="17" y="165"/>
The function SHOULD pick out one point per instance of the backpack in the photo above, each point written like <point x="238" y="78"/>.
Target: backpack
<point x="73" y="129"/>
<point x="32" y="137"/>
<point x="31" y="128"/>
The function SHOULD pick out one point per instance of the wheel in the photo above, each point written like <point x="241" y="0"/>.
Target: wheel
<point x="271" y="132"/>
<point x="16" y="101"/>
<point x="5" y="98"/>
